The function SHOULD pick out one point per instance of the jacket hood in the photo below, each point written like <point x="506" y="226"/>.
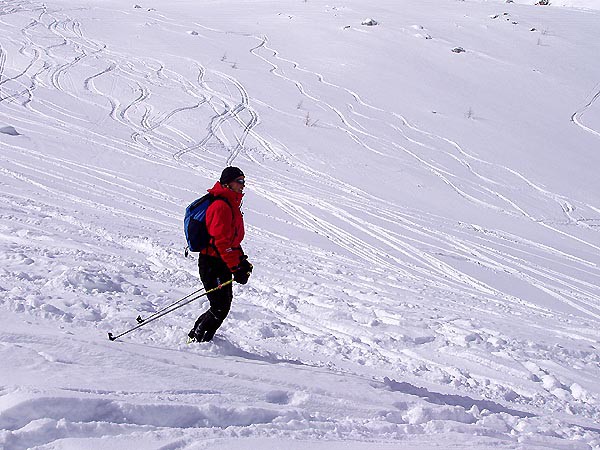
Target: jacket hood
<point x="234" y="198"/>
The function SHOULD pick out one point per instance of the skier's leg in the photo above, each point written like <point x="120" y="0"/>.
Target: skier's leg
<point x="205" y="328"/>
<point x="213" y="272"/>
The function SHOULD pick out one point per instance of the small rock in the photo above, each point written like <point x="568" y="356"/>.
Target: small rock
<point x="369" y="22"/>
<point x="458" y="50"/>
<point x="137" y="7"/>
<point x="11" y="131"/>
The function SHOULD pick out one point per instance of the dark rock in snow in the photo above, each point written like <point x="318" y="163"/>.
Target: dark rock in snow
<point x="11" y="131"/>
<point x="369" y="22"/>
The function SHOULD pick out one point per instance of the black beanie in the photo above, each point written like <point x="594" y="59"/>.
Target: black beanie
<point x="229" y="174"/>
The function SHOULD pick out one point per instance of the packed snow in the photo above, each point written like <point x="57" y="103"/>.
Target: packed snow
<point x="422" y="212"/>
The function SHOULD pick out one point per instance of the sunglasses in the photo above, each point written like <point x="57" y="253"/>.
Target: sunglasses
<point x="240" y="181"/>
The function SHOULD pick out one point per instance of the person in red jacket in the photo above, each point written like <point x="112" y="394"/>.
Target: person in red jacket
<point x="224" y="255"/>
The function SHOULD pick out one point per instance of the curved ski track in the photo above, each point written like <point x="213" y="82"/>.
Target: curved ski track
<point x="577" y="115"/>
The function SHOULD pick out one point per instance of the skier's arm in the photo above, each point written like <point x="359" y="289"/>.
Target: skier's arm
<point x="219" y="223"/>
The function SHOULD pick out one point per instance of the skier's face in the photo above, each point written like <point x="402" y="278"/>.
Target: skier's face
<point x="237" y="185"/>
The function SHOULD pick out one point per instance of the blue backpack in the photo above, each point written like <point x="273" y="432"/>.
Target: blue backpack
<point x="194" y="223"/>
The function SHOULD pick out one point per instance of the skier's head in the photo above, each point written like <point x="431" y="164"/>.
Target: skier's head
<point x="233" y="178"/>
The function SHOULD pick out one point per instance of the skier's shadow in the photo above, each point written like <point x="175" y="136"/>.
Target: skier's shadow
<point x="223" y="346"/>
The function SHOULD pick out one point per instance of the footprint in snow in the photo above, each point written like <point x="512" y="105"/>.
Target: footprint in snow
<point x="279" y="397"/>
<point x="421" y="32"/>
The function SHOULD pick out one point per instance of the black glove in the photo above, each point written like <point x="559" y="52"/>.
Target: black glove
<point x="242" y="272"/>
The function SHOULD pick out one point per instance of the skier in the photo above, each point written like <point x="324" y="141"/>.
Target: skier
<point x="223" y="257"/>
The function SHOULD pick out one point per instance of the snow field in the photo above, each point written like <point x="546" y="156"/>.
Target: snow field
<point x="425" y="246"/>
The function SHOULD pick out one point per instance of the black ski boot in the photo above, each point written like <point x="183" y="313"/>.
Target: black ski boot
<point x="205" y="327"/>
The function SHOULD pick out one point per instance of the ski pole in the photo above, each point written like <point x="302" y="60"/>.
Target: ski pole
<point x="141" y="320"/>
<point x="158" y="316"/>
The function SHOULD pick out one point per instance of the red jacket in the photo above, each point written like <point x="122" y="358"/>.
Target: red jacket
<point x="225" y="225"/>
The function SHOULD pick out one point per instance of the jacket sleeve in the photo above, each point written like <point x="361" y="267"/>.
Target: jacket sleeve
<point x="220" y="226"/>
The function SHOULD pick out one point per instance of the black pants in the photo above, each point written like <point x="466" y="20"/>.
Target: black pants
<point x="213" y="272"/>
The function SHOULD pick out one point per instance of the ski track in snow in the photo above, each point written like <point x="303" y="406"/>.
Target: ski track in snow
<point x="577" y="115"/>
<point x="392" y="260"/>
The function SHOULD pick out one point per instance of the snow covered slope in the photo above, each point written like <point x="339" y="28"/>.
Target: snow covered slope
<point x="422" y="213"/>
<point x="583" y="4"/>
